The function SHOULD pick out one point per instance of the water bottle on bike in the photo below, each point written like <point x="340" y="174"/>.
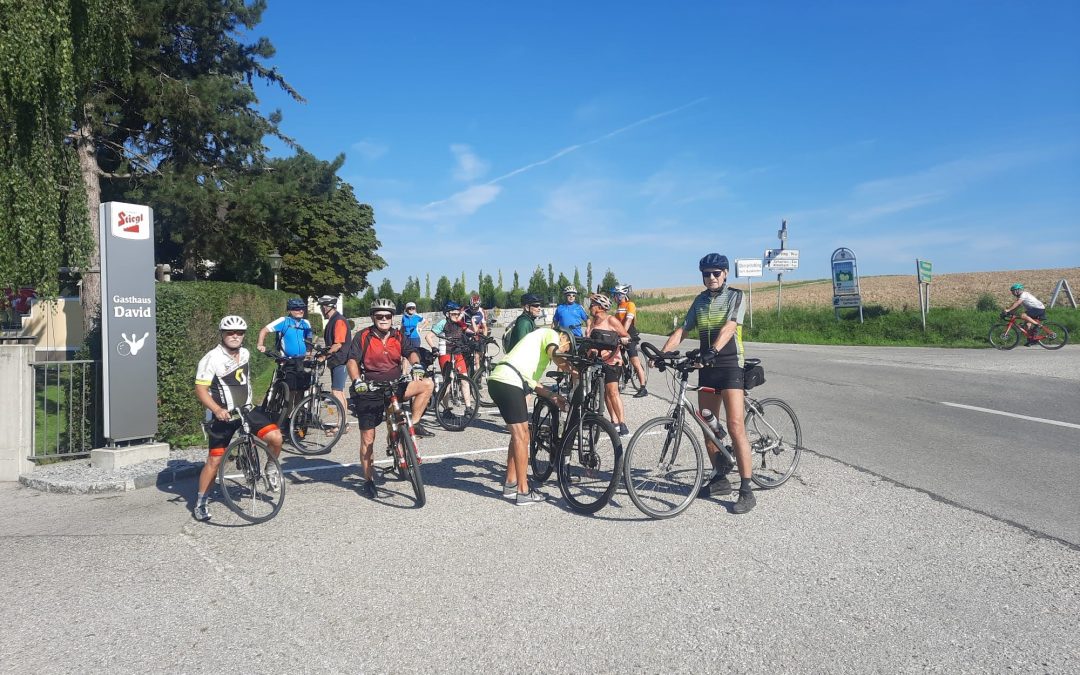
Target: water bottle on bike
<point x="714" y="424"/>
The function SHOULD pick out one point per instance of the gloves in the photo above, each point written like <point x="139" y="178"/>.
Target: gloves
<point x="417" y="372"/>
<point x="359" y="386"/>
<point x="709" y="355"/>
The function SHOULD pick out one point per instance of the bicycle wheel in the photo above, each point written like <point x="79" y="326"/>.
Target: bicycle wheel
<point x="412" y="467"/>
<point x="274" y="405"/>
<point x="1002" y="336"/>
<point x="544" y="428"/>
<point x="456" y="403"/>
<point x="1054" y="336"/>
<point x="589" y="464"/>
<point x="317" y="423"/>
<point x="664" y="467"/>
<point x="251" y="481"/>
<point x="624" y="376"/>
<point x="775" y="441"/>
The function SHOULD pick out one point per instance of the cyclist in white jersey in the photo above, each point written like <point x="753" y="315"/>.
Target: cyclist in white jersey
<point x="1034" y="309"/>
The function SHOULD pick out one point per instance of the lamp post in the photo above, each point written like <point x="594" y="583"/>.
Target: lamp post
<point x="275" y="265"/>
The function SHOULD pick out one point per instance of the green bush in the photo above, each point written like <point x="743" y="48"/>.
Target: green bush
<point x="987" y="303"/>
<point x="188" y="315"/>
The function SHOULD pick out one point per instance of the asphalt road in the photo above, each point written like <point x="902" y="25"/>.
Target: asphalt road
<point x="916" y="536"/>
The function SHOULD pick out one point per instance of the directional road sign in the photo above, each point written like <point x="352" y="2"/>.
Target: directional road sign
<point x="782" y="259"/>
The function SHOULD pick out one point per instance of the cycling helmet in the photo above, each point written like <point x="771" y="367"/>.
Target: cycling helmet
<point x="327" y="300"/>
<point x="1017" y="287"/>
<point x="450" y="306"/>
<point x="600" y="300"/>
<point x="621" y="289"/>
<point x="568" y="290"/>
<point x="382" y="304"/>
<point x="713" y="261"/>
<point x="475" y="299"/>
<point x="295" y="303"/>
<point x="410" y="304"/>
<point x="530" y="299"/>
<point x="232" y="322"/>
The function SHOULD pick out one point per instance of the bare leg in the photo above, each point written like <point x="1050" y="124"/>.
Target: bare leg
<point x="736" y="426"/>
<point x="517" y="456"/>
<point x="367" y="441"/>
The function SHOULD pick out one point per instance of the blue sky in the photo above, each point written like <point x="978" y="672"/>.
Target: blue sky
<point x="639" y="136"/>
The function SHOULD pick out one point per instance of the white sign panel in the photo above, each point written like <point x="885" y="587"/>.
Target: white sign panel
<point x="782" y="259"/>
<point x="847" y="300"/>
<point x="748" y="267"/>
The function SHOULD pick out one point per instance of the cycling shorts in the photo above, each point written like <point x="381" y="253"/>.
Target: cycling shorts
<point x="612" y="373"/>
<point x="632" y="348"/>
<point x="510" y="400"/>
<point x="220" y="433"/>
<point x="459" y="362"/>
<point x="724" y="377"/>
<point x="338" y="375"/>
<point x="370" y="407"/>
<point x="1035" y="313"/>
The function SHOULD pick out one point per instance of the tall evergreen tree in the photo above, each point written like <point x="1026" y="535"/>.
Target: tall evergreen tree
<point x="588" y="276"/>
<point x="577" y="279"/>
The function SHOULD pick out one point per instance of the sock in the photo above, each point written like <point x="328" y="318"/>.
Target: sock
<point x="745" y="486"/>
<point x="200" y="499"/>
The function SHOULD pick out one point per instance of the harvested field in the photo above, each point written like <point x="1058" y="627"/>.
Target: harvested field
<point x="894" y="292"/>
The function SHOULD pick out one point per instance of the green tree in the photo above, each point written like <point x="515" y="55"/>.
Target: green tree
<point x="577" y="280"/>
<point x="609" y="281"/>
<point x="411" y="292"/>
<point x="588" y="277"/>
<point x="560" y="284"/>
<point x="365" y="301"/>
<point x="487" y="291"/>
<point x="386" y="291"/>
<point x="538" y="284"/>
<point x="551" y="282"/>
<point x="458" y="293"/>
<point x="443" y="292"/>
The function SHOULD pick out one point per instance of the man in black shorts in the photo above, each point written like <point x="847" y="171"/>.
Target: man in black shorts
<point x="717" y="313"/>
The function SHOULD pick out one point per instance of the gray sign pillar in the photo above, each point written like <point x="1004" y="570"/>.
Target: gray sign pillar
<point x="128" y="322"/>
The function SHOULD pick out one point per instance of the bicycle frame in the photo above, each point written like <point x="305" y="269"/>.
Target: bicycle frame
<point x="678" y="412"/>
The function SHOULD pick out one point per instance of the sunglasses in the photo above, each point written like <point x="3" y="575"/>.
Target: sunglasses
<point x="534" y="306"/>
<point x="234" y="332"/>
<point x="715" y="274"/>
<point x="382" y="317"/>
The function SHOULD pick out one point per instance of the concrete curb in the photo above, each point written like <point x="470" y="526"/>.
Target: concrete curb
<point x="78" y="478"/>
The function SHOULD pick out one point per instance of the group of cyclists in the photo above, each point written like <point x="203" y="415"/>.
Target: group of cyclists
<point x="381" y="352"/>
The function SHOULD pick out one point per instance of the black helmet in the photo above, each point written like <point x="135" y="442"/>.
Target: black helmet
<point x="295" y="303"/>
<point x="530" y="299"/>
<point x="450" y="306"/>
<point x="713" y="261"/>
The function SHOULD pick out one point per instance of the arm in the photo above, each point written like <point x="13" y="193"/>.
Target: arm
<point x="1013" y="306"/>
<point x="262" y="336"/>
<point x="202" y="392"/>
<point x="725" y="334"/>
<point x="674" y="339"/>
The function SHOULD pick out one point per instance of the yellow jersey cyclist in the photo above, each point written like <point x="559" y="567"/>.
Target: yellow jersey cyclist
<point x="626" y="313"/>
<point x="223" y="383"/>
<point x="1034" y="310"/>
<point x="717" y="314"/>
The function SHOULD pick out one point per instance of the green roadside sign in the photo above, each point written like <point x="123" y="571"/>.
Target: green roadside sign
<point x="924" y="270"/>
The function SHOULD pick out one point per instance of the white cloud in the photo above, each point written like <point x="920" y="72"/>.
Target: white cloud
<point x="456" y="206"/>
<point x="370" y="149"/>
<point x="469" y="165"/>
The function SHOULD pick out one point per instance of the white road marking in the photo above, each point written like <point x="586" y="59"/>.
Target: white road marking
<point x="328" y="467"/>
<point x="1009" y="414"/>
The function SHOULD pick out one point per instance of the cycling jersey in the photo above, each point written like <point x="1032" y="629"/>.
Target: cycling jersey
<point x="523" y="325"/>
<point x="291" y="335"/>
<point x="475" y="318"/>
<point x="529" y="359"/>
<point x="410" y="325"/>
<point x="708" y="313"/>
<point x="227" y="377"/>
<point x="337" y="332"/>
<point x="379" y="358"/>
<point x="452" y="332"/>
<point x="627" y="308"/>
<point x="570" y="316"/>
<point x="1030" y="301"/>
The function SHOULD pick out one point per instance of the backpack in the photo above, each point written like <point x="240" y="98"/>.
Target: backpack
<point x="507" y="339"/>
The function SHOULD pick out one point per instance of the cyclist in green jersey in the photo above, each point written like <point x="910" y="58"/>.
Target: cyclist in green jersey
<point x="717" y="313"/>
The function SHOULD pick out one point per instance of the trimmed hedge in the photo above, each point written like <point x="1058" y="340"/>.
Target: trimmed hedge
<point x="187" y="317"/>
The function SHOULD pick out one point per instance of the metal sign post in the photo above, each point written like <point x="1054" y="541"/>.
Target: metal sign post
<point x="924" y="272"/>
<point x="845" y="280"/>
<point x="780" y="260"/>
<point x="1063" y="285"/>
<point x="749" y="268"/>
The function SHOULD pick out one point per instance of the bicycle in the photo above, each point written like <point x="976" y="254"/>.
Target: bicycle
<point x="664" y="479"/>
<point x="478" y="344"/>
<point x="456" y="401"/>
<point x="1048" y="335"/>
<point x="278" y="402"/>
<point x="400" y="437"/>
<point x="589" y="451"/>
<point x="318" y="421"/>
<point x="250" y="476"/>
<point x="628" y="374"/>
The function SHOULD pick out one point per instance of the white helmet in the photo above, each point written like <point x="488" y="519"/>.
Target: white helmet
<point x="232" y="322"/>
<point x="568" y="290"/>
<point x="383" y="304"/>
<point x="621" y="289"/>
<point x="600" y="300"/>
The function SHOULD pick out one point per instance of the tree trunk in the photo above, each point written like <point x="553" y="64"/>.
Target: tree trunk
<point x="91" y="276"/>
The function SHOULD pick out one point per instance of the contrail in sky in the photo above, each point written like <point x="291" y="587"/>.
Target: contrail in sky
<point x="571" y="148"/>
<point x="577" y="146"/>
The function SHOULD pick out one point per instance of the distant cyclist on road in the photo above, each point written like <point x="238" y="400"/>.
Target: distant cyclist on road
<point x="570" y="315"/>
<point x="524" y="324"/>
<point x="223" y="383"/>
<point x="447" y="338"/>
<point x="1034" y="310"/>
<point x="476" y="322"/>
<point x="627" y="314"/>
<point x="601" y="323"/>
<point x="717" y="314"/>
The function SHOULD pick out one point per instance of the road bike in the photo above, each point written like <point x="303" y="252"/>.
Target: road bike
<point x="587" y="449"/>
<point x="317" y="422"/>
<point x="628" y="374"/>
<point x="1047" y="335"/>
<point x="250" y="477"/>
<point x="665" y="464"/>
<point x="400" y="436"/>
<point x="289" y="376"/>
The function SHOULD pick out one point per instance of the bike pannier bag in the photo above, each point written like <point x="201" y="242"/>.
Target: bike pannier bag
<point x="753" y="375"/>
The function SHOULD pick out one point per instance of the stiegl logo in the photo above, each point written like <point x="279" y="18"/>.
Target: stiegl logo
<point x="131" y="225"/>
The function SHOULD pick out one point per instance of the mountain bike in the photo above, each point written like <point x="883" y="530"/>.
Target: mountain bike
<point x="1047" y="335"/>
<point x="456" y="400"/>
<point x="250" y="477"/>
<point x="479" y="344"/>
<point x="588" y="451"/>
<point x="317" y="422"/>
<point x="290" y="376"/>
<point x="400" y="437"/>
<point x="665" y="464"/>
